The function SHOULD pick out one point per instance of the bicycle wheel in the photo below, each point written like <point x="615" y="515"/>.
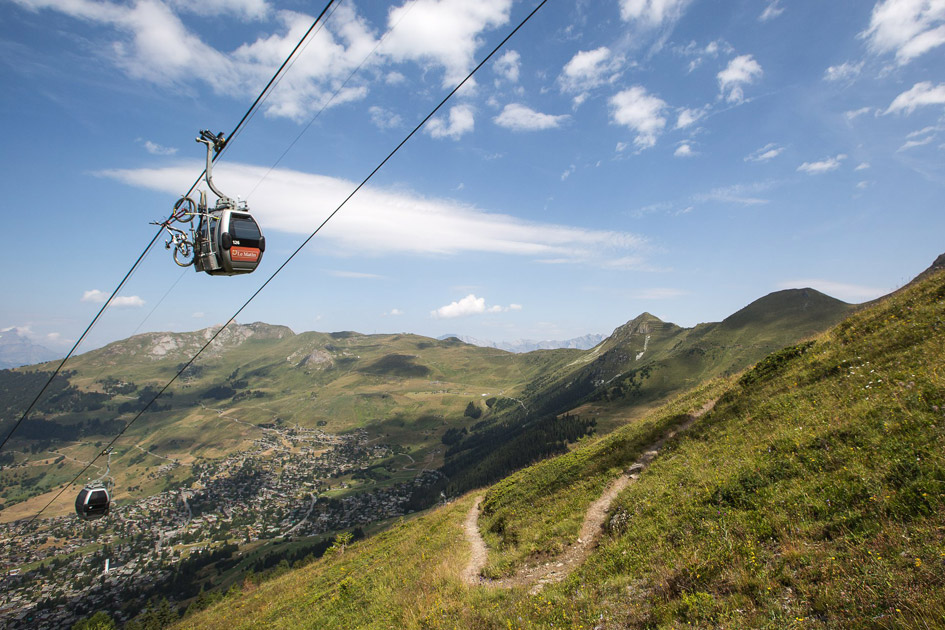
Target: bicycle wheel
<point x="184" y="253"/>
<point x="184" y="210"/>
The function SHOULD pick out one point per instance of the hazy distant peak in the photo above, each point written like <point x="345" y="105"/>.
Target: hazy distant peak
<point x="17" y="350"/>
<point x="518" y="346"/>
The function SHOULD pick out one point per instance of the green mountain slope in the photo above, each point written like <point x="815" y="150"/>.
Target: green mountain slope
<point x="407" y="390"/>
<point x="813" y="495"/>
<point x="644" y="362"/>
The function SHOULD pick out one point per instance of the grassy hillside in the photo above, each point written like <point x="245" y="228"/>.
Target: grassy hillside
<point x="813" y="495"/>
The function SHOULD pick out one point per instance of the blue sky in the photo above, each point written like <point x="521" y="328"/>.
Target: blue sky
<point x="681" y="157"/>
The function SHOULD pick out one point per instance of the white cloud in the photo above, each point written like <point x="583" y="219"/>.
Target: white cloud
<point x="688" y="117"/>
<point x="568" y="172"/>
<point x="652" y="13"/>
<point x="698" y="54"/>
<point x="742" y="70"/>
<point x="684" y="150"/>
<point x="518" y="117"/>
<point x="95" y="296"/>
<point x="100" y="297"/>
<point x="824" y="166"/>
<point x="744" y="194"/>
<point x="395" y="312"/>
<point x="921" y="142"/>
<point x="629" y="263"/>
<point x="640" y="111"/>
<point x="839" y="290"/>
<point x="843" y="72"/>
<point x="384" y="118"/>
<point x="355" y="275"/>
<point x="470" y="305"/>
<point x="20" y="330"/>
<point x="771" y="11"/>
<point x="247" y="9"/>
<point x="910" y="28"/>
<point x="382" y="222"/>
<point x="765" y="153"/>
<point x="856" y="113"/>
<point x="920" y="95"/>
<point x="862" y="166"/>
<point x="461" y="121"/>
<point x="156" y="149"/>
<point x="589" y="69"/>
<point x="148" y="41"/>
<point x="508" y="65"/>
<point x="442" y="33"/>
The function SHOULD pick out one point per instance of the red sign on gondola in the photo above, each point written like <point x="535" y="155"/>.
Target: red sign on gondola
<point x="249" y="254"/>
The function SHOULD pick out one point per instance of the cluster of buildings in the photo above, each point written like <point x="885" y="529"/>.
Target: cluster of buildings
<point x="53" y="571"/>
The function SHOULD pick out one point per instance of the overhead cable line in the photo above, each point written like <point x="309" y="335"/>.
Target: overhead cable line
<point x="236" y="130"/>
<point x="298" y="250"/>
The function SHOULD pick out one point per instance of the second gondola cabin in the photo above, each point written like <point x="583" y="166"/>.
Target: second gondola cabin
<point x="93" y="502"/>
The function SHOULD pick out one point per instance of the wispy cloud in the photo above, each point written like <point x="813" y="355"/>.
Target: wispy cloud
<point x="382" y="222"/>
<point x="853" y="114"/>
<point x="355" y="275"/>
<point x="823" y="166"/>
<point x="772" y="10"/>
<point x="919" y="95"/>
<point x="843" y="72"/>
<point x="743" y="194"/>
<point x="156" y="149"/>
<point x="688" y="117"/>
<point x="765" y="153"/>
<point x="383" y="118"/>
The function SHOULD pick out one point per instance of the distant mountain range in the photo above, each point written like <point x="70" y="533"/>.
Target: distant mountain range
<point x="528" y="345"/>
<point x="17" y="350"/>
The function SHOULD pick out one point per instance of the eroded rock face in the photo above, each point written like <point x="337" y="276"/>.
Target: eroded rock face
<point x="317" y="359"/>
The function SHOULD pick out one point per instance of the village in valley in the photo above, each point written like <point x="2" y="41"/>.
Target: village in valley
<point x="292" y="484"/>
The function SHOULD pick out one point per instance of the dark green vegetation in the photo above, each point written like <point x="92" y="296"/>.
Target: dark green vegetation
<point x="495" y="411"/>
<point x="813" y="495"/>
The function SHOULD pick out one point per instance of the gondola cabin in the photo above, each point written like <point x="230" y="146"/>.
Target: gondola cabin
<point x="229" y="242"/>
<point x="93" y="502"/>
